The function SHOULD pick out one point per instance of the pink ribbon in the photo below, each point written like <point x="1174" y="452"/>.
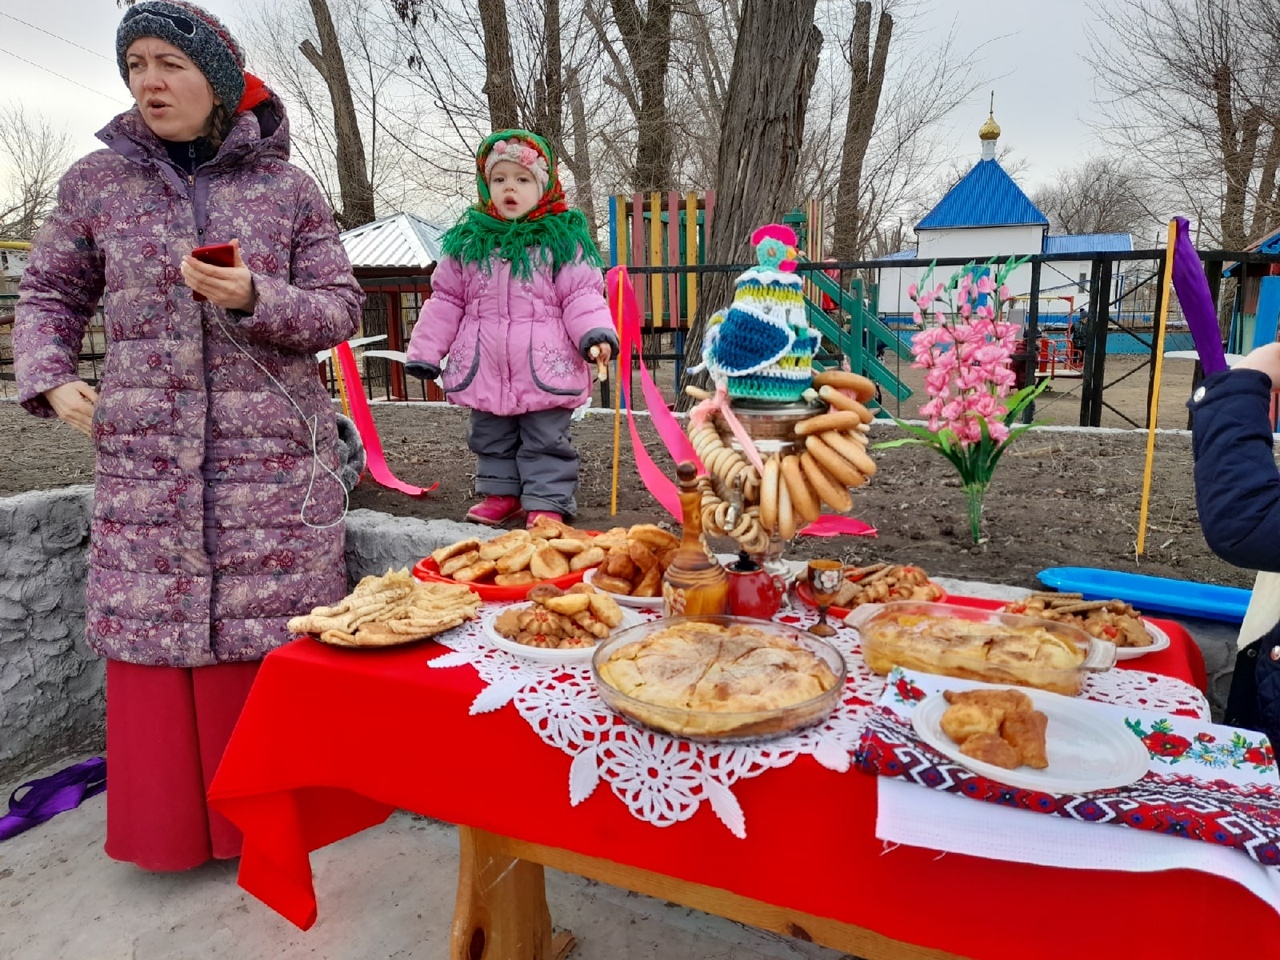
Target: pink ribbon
<point x="368" y="430"/>
<point x="622" y="301"/>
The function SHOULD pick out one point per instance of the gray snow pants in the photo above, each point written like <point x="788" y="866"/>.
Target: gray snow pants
<point x="528" y="456"/>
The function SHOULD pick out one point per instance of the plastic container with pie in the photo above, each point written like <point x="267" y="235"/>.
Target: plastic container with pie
<point x="979" y="644"/>
<point x="719" y="678"/>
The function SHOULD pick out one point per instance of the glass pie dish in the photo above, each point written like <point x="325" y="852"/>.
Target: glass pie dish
<point x="719" y="678"/>
<point x="978" y="644"/>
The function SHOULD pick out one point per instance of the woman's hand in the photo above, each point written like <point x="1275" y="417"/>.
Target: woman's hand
<point x="228" y="287"/>
<point x="73" y="403"/>
<point x="1266" y="359"/>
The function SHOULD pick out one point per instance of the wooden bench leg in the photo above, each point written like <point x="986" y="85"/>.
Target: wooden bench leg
<point x="501" y="911"/>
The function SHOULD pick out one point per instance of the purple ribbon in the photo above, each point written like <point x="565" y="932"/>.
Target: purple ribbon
<point x="1192" y="288"/>
<point x="49" y="796"/>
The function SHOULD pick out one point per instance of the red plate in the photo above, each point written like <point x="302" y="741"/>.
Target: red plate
<point x="428" y="569"/>
<point x="805" y="593"/>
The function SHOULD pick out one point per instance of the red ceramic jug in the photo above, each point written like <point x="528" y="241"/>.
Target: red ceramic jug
<point x="754" y="591"/>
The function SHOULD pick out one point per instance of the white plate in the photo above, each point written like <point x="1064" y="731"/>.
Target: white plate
<point x="641" y="603"/>
<point x="1087" y="749"/>
<point x="1159" y="641"/>
<point x="630" y="618"/>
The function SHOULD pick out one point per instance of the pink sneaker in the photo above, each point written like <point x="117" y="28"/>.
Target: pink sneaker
<point x="495" y="511"/>
<point x="531" y="520"/>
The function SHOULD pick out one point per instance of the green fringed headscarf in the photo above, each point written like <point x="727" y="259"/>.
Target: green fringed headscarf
<point x="550" y="231"/>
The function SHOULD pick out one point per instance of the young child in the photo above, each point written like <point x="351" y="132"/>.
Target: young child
<point x="517" y="306"/>
<point x="1238" y="499"/>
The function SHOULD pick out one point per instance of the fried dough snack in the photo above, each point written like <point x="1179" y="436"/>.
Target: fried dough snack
<point x="390" y="609"/>
<point x="819" y="464"/>
<point x="550" y="550"/>
<point x="883" y="583"/>
<point x="635" y="559"/>
<point x="1112" y="620"/>
<point x="561" y="620"/>
<point x="1000" y="727"/>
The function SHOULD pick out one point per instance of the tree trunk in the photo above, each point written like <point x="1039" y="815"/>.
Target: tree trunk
<point x="500" y="79"/>
<point x="774" y="65"/>
<point x="579" y="164"/>
<point x="648" y="43"/>
<point x="353" y="173"/>
<point x="867" y="81"/>
<point x="549" y="119"/>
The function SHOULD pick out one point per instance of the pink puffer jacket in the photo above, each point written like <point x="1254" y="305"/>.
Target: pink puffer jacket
<point x="513" y="346"/>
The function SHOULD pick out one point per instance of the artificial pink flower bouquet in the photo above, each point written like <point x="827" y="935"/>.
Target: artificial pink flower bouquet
<point x="964" y="347"/>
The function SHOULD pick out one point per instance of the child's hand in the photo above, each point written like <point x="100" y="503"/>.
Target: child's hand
<point x="601" y="352"/>
<point x="1267" y="360"/>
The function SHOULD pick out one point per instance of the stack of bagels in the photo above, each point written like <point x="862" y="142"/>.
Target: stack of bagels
<point x="827" y="458"/>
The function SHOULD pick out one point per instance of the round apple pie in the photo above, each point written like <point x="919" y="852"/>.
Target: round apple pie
<point x="719" y="679"/>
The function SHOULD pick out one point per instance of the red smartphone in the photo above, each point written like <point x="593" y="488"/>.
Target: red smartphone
<point x="218" y="254"/>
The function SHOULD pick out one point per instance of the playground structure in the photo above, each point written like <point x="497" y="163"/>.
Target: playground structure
<point x="1057" y="353"/>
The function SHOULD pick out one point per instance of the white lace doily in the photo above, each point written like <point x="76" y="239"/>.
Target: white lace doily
<point x="664" y="779"/>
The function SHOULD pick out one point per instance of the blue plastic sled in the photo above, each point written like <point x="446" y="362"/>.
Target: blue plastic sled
<point x="1151" y="594"/>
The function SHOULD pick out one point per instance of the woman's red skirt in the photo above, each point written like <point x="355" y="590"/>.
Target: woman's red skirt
<point x="167" y="728"/>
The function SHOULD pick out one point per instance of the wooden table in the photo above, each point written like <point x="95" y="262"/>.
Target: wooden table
<point x="332" y="742"/>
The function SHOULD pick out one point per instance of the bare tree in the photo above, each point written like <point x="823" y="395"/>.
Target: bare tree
<point x="353" y="176"/>
<point x="35" y="154"/>
<point x="499" y="81"/>
<point x="392" y="123"/>
<point x="898" y="145"/>
<point x="1100" y="195"/>
<point x="774" y="65"/>
<point x="867" y="69"/>
<point x="1188" y="87"/>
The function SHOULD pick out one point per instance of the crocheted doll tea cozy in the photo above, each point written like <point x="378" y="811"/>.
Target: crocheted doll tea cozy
<point x="550" y="233"/>
<point x="762" y="347"/>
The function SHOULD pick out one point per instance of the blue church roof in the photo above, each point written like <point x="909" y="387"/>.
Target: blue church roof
<point x="1088" y="243"/>
<point x="985" y="197"/>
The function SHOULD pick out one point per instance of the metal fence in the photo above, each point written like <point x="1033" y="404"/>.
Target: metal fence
<point x="1101" y="378"/>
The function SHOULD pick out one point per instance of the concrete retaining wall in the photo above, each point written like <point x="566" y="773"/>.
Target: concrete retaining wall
<point x="51" y="683"/>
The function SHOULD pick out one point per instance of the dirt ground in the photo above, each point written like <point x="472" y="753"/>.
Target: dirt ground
<point x="1060" y="498"/>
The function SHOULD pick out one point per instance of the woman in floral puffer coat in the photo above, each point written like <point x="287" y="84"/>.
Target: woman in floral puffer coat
<point x="216" y="513"/>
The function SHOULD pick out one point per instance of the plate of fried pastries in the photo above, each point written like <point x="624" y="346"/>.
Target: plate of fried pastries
<point x="1031" y="739"/>
<point x="1112" y="620"/>
<point x="558" y="626"/>
<point x="509" y="565"/>
<point x="389" y="610"/>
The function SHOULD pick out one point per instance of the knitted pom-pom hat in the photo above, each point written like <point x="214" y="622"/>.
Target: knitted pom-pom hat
<point x="194" y="31"/>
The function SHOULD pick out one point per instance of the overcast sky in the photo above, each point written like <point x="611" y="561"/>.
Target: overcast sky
<point x="57" y="58"/>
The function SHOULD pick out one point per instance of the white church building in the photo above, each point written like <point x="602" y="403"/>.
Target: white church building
<point x="986" y="215"/>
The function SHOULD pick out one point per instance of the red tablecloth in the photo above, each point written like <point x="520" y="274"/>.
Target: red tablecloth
<point x="332" y="741"/>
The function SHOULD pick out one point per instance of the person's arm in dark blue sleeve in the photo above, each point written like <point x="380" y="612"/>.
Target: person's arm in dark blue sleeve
<point x="1237" y="481"/>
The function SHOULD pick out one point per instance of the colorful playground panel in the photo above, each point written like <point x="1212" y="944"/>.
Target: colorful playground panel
<point x="1151" y="594"/>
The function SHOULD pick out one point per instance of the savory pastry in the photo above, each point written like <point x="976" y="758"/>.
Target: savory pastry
<point x="556" y="619"/>
<point x="990" y="748"/>
<point x="1024" y="730"/>
<point x="1001" y="727"/>
<point x="390" y="609"/>
<point x="1113" y="620"/>
<point x="709" y="673"/>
